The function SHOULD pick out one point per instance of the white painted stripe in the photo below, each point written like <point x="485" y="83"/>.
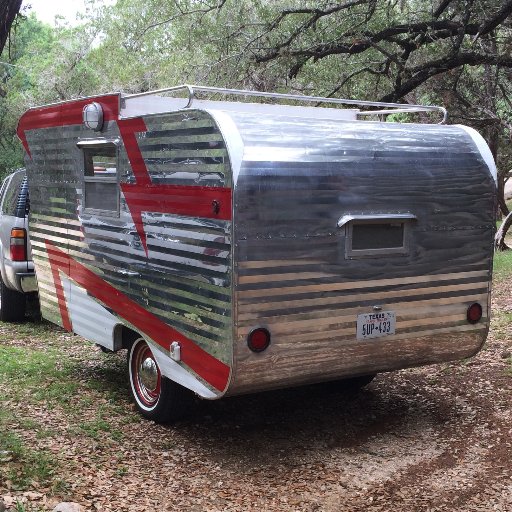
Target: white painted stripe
<point x="172" y="370"/>
<point x="88" y="318"/>
<point x="95" y="323"/>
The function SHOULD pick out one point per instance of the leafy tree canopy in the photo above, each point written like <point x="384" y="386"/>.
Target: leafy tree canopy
<point x="452" y="52"/>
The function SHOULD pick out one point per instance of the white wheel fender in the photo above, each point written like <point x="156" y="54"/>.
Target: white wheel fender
<point x="175" y="372"/>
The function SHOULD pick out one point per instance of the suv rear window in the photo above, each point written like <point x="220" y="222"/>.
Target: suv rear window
<point x="15" y="195"/>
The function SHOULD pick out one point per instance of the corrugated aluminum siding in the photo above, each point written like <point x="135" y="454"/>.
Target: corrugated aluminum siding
<point x="186" y="281"/>
<point x="297" y="178"/>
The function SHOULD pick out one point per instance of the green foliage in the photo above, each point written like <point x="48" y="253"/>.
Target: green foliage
<point x="20" y="363"/>
<point x="99" y="426"/>
<point x="41" y="65"/>
<point x="501" y="318"/>
<point x="508" y="370"/>
<point x="26" y="507"/>
<point x="371" y="50"/>
<point x="30" y="39"/>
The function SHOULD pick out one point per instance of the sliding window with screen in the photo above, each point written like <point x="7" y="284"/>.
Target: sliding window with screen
<point x="376" y="235"/>
<point x="101" y="183"/>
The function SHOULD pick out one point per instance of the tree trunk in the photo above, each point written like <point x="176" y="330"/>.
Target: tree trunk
<point x="9" y="9"/>
<point x="499" y="239"/>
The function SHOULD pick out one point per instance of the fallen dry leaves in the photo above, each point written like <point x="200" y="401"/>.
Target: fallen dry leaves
<point x="437" y="438"/>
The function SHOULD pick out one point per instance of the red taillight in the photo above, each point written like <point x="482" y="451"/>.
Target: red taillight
<point x="258" y="339"/>
<point x="474" y="313"/>
<point x="18" y="244"/>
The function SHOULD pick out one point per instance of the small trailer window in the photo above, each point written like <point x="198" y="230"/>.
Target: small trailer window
<point x="101" y="184"/>
<point x="377" y="236"/>
<point x="368" y="236"/>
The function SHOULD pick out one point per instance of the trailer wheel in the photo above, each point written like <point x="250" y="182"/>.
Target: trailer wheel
<point x="12" y="304"/>
<point x="156" y="397"/>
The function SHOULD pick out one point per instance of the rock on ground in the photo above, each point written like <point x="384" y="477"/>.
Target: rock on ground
<point x="68" y="507"/>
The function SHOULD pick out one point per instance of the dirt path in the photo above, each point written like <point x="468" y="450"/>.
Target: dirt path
<point x="437" y="438"/>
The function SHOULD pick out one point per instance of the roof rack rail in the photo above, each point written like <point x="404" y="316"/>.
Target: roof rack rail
<point x="386" y="108"/>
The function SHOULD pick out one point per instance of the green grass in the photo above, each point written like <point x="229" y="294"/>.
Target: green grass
<point x="502" y="318"/>
<point x="87" y="387"/>
<point x="37" y="375"/>
<point x="22" y="465"/>
<point x="502" y="264"/>
<point x="508" y="370"/>
<point x="22" y="507"/>
<point x="121" y="471"/>
<point x="44" y="332"/>
<point x="99" y="426"/>
<point x="11" y="447"/>
<point x="45" y="376"/>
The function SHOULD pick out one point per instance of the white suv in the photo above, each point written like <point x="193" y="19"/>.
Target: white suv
<point x="18" y="280"/>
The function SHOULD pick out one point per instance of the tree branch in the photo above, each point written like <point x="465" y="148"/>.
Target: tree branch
<point x="422" y="73"/>
<point x="181" y="14"/>
<point x="435" y="29"/>
<point x="9" y="9"/>
<point x="490" y="24"/>
<point x="441" y="8"/>
<point x="409" y="36"/>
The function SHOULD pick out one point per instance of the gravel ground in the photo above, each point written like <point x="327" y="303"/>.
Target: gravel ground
<point x="436" y="438"/>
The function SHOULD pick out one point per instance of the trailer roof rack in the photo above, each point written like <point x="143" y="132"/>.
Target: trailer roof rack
<point x="383" y="108"/>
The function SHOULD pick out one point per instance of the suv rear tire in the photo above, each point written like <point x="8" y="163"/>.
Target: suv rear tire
<point x="12" y="304"/>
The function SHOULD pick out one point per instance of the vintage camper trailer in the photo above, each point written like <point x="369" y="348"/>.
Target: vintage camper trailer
<point x="233" y="246"/>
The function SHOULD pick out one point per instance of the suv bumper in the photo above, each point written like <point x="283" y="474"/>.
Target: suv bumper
<point x="20" y="278"/>
<point x="28" y="282"/>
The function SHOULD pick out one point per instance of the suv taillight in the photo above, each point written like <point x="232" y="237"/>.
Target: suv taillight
<point x="18" y="244"/>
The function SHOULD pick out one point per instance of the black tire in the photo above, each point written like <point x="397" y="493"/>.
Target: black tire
<point x="13" y="304"/>
<point x="156" y="397"/>
<point x="33" y="307"/>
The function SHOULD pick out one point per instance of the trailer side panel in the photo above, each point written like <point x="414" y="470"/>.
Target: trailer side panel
<point x="132" y="227"/>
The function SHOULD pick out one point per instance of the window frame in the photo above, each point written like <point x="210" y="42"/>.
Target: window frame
<point x="349" y="221"/>
<point x="84" y="146"/>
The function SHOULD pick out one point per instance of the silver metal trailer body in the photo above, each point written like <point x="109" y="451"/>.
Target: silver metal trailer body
<point x="354" y="246"/>
<point x="337" y="219"/>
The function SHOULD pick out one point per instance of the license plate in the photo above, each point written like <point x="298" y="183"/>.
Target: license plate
<point x="375" y="325"/>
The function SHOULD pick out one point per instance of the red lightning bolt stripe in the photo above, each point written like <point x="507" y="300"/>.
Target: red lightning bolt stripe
<point x="213" y="371"/>
<point x="64" y="114"/>
<point x="144" y="196"/>
<point x="175" y="199"/>
<point x="60" y="260"/>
